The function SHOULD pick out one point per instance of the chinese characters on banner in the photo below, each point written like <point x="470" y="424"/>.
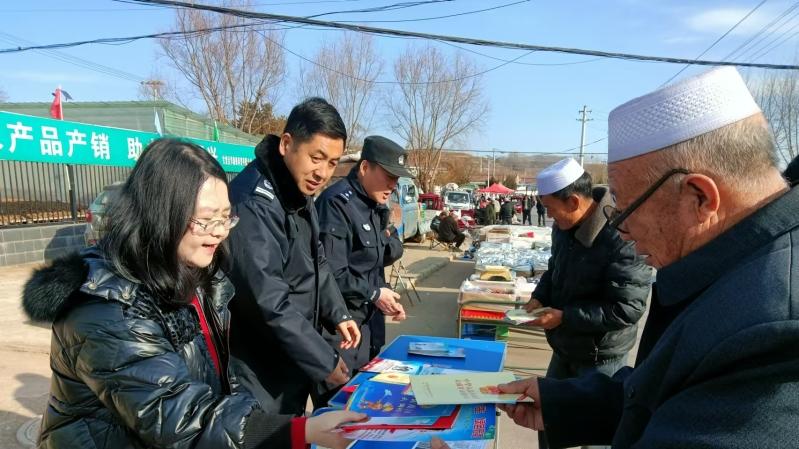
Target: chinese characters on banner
<point x="37" y="139"/>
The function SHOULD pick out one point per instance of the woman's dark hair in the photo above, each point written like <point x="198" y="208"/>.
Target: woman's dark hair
<point x="148" y="218"/>
<point x="315" y="116"/>
<point x="581" y="186"/>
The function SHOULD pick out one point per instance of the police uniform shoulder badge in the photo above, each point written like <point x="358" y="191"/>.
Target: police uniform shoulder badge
<point x="345" y="195"/>
<point x="265" y="189"/>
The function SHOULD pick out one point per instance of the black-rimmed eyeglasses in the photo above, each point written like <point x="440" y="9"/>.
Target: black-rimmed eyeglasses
<point x="616" y="217"/>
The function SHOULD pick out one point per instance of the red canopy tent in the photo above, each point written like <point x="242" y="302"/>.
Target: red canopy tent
<point x="497" y="188"/>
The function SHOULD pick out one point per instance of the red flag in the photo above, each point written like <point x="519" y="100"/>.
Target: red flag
<point x="56" y="111"/>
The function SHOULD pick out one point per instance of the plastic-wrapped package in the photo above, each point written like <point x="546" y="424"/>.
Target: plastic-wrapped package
<point x="520" y="260"/>
<point x="540" y="258"/>
<point x="520" y="235"/>
<point x="517" y="292"/>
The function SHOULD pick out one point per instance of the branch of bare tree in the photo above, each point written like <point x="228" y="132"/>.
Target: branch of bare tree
<point x="778" y="97"/>
<point x="235" y="72"/>
<point x="344" y="72"/>
<point x="437" y="101"/>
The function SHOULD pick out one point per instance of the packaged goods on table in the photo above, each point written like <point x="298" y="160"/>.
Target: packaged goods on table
<point x="520" y="260"/>
<point x="500" y="293"/>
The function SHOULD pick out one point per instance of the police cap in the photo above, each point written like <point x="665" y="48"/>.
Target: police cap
<point x="387" y="154"/>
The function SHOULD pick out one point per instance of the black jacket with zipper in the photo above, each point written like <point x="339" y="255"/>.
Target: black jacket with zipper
<point x="132" y="372"/>
<point x="285" y="291"/>
<point x="599" y="283"/>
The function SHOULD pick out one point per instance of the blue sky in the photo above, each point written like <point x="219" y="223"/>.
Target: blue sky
<point x="533" y="108"/>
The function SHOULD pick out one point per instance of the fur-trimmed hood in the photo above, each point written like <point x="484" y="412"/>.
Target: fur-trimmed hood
<point x="87" y="271"/>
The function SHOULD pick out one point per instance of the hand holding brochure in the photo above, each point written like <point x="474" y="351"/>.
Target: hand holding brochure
<point x="468" y="388"/>
<point x="520" y="316"/>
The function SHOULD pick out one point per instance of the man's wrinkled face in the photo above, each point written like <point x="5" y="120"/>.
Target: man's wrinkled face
<point x="655" y="226"/>
<point x="313" y="162"/>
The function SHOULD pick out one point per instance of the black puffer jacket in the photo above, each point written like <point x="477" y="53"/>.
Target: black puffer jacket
<point x="601" y="286"/>
<point x="129" y="372"/>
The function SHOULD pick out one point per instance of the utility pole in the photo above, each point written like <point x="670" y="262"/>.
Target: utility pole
<point x="154" y="88"/>
<point x="583" y="119"/>
<point x="494" y="167"/>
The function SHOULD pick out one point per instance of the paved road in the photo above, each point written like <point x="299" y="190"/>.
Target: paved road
<point x="437" y="315"/>
<point x="24" y="347"/>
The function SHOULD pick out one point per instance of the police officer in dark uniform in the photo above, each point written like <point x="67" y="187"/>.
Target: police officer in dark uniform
<point x="285" y="292"/>
<point x="360" y="243"/>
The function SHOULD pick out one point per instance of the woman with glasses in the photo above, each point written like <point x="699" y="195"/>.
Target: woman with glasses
<point x="140" y="323"/>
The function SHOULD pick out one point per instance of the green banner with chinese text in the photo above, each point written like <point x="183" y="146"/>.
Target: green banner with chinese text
<point x="36" y="139"/>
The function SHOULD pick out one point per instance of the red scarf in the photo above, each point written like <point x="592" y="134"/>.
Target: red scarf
<point x="209" y="341"/>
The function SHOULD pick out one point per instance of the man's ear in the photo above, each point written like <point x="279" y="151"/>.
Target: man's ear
<point x="704" y="194"/>
<point x="573" y="203"/>
<point x="285" y="143"/>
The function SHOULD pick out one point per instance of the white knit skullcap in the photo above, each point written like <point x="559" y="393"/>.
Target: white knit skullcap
<point x="678" y="112"/>
<point x="558" y="176"/>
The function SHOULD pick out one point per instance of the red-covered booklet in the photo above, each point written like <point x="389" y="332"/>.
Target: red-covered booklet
<point x="394" y="423"/>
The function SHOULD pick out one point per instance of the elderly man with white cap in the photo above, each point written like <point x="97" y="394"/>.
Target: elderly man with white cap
<point x="595" y="285"/>
<point x="693" y="169"/>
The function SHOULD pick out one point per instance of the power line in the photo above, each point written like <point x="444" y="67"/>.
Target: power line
<point x="754" y="46"/>
<point x="437" y="17"/>
<point x="761" y="31"/>
<point x="781" y="42"/>
<point x="560" y="152"/>
<point x="717" y="40"/>
<point x="402" y="83"/>
<point x="392" y="7"/>
<point x="764" y="49"/>
<point x="74" y="60"/>
<point x="457" y="39"/>
<point x="82" y="10"/>
<point x="392" y="32"/>
<point x="518" y="62"/>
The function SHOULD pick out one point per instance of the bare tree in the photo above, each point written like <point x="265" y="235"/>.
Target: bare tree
<point x="510" y="181"/>
<point x="3" y="96"/>
<point x="344" y="72"/>
<point x="439" y="99"/>
<point x="777" y="93"/>
<point x="234" y="71"/>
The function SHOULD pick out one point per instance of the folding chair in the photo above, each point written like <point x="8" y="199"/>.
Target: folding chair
<point x="399" y="276"/>
<point x="435" y="242"/>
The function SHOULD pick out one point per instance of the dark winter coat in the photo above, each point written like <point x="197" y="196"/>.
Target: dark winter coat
<point x="285" y="291"/>
<point x="539" y="207"/>
<point x="448" y="229"/>
<point x="718" y="364"/>
<point x="353" y="233"/>
<point x="130" y="372"/>
<point x="507" y="211"/>
<point x="601" y="286"/>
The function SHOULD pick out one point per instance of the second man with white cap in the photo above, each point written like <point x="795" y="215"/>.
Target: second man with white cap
<point x="595" y="284"/>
